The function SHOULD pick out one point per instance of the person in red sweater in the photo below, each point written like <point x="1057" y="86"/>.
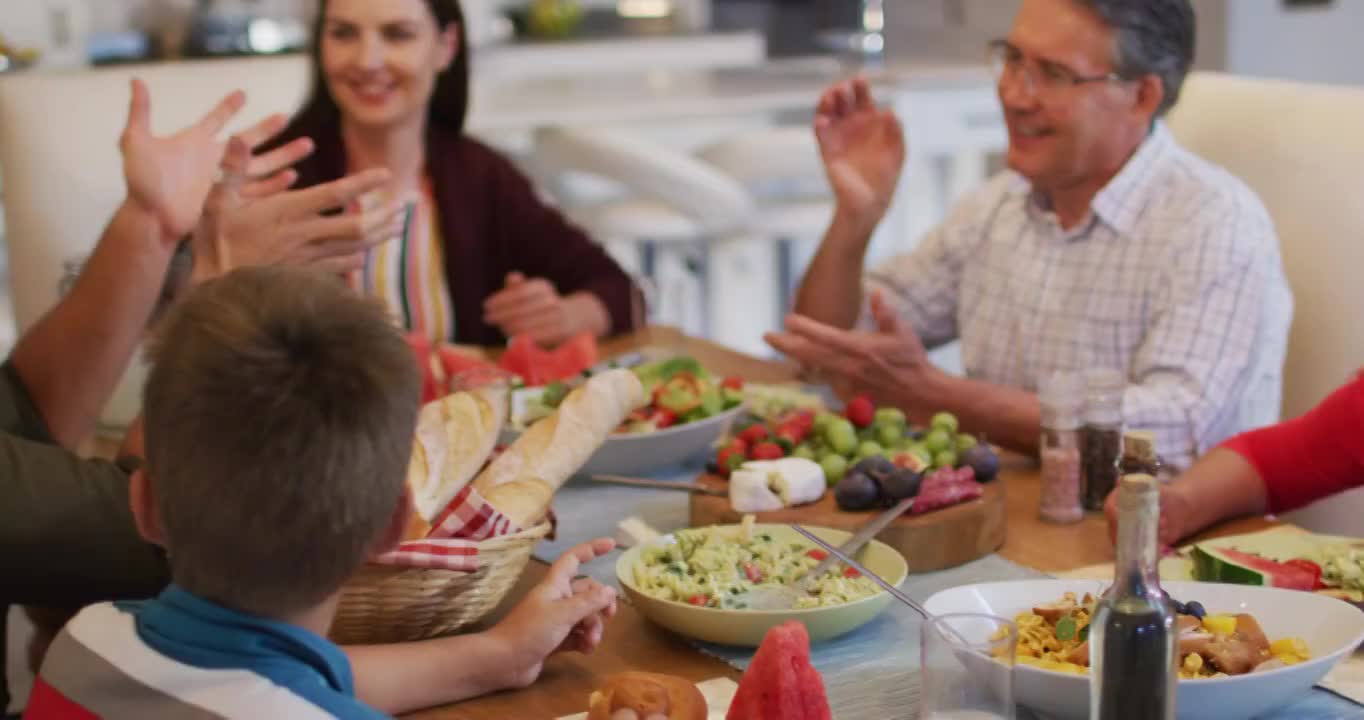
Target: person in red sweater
<point x="1271" y="470"/>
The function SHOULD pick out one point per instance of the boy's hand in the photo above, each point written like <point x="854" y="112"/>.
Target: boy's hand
<point x="561" y="613"/>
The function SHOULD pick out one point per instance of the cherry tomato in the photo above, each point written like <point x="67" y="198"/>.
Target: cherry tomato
<point x="753" y="573"/>
<point x="697" y="599"/>
<point x="817" y="554"/>
<point x="851" y="573"/>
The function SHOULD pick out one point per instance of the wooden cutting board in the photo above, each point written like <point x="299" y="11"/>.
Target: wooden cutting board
<point x="932" y="541"/>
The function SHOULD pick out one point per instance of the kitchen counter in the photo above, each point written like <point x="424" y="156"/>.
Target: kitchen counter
<point x="679" y="94"/>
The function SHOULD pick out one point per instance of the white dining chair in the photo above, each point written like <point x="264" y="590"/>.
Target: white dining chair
<point x="1298" y="146"/>
<point x="649" y="199"/>
<point x="781" y="168"/>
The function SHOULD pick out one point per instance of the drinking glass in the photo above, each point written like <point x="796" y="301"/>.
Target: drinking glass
<point x="967" y="663"/>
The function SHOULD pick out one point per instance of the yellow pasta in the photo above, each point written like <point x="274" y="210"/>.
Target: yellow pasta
<point x="1040" y="645"/>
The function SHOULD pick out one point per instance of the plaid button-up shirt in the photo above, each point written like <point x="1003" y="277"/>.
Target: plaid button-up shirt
<point x="1174" y="279"/>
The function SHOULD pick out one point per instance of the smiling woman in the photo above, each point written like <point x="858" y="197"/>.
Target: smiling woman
<point x="481" y="257"/>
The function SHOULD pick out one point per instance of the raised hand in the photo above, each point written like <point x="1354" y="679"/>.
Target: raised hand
<point x="170" y="177"/>
<point x="252" y="218"/>
<point x="562" y="613"/>
<point x="863" y="148"/>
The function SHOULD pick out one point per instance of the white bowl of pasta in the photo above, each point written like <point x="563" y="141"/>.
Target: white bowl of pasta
<point x="1329" y="630"/>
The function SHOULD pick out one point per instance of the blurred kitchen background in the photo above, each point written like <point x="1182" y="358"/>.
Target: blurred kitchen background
<point x="688" y="79"/>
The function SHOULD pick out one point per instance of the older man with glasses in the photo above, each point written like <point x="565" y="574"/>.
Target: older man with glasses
<point x="1105" y="245"/>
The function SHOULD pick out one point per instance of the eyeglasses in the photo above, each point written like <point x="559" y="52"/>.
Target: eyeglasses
<point x="1041" y="77"/>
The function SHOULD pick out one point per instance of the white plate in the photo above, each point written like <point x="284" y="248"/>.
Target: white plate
<point x="1332" y="629"/>
<point x="640" y="453"/>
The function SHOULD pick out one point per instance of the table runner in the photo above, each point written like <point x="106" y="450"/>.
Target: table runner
<point x="871" y="673"/>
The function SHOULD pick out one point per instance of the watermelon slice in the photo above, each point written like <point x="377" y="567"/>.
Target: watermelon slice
<point x="780" y="683"/>
<point x="541" y="367"/>
<point x="455" y="361"/>
<point x="1228" y="565"/>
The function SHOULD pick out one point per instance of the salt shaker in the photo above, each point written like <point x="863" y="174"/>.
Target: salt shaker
<point x="1101" y="438"/>
<point x="1062" y="399"/>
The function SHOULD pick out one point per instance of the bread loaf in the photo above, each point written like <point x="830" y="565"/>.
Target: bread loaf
<point x="649" y="696"/>
<point x="454" y="437"/>
<point x="522" y="480"/>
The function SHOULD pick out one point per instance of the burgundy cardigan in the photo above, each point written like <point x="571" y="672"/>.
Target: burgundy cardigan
<point x="492" y="223"/>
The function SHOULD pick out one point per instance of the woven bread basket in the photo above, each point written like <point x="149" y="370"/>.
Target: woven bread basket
<point x="387" y="604"/>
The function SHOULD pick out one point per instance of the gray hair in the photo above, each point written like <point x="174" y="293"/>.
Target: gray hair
<point x="1155" y="37"/>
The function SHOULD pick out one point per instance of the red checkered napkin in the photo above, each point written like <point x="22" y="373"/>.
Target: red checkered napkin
<point x="453" y="541"/>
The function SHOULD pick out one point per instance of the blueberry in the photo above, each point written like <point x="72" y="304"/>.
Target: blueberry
<point x="1195" y="609"/>
<point x="1178" y="607"/>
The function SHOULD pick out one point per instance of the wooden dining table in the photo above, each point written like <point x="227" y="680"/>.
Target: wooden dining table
<point x="633" y="643"/>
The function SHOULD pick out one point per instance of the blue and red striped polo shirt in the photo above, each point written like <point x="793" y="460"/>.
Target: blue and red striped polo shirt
<point x="180" y="656"/>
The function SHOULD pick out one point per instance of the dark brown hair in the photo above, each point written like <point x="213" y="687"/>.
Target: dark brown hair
<point x="449" y="101"/>
<point x="280" y="411"/>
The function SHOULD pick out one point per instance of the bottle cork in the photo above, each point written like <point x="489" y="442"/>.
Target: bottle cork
<point x="1140" y="446"/>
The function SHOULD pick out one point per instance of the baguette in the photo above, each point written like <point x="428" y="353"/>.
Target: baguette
<point x="454" y="437"/>
<point x="522" y="480"/>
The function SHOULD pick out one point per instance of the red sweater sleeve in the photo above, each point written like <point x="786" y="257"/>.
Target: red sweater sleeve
<point x="1310" y="457"/>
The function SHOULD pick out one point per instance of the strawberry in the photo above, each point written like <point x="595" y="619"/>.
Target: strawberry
<point x="754" y="434"/>
<point x="860" y="411"/>
<point x="738" y="445"/>
<point x="793" y="432"/>
<point x="768" y="451"/>
<point x="729" y="460"/>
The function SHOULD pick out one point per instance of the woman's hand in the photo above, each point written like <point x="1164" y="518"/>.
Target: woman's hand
<point x="252" y="218"/>
<point x="534" y="307"/>
<point x="863" y="148"/>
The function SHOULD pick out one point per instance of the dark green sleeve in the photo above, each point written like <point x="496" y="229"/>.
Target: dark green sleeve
<point x="67" y="536"/>
<point x="18" y="415"/>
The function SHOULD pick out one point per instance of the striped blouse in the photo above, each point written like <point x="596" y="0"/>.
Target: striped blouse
<point x="408" y="274"/>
